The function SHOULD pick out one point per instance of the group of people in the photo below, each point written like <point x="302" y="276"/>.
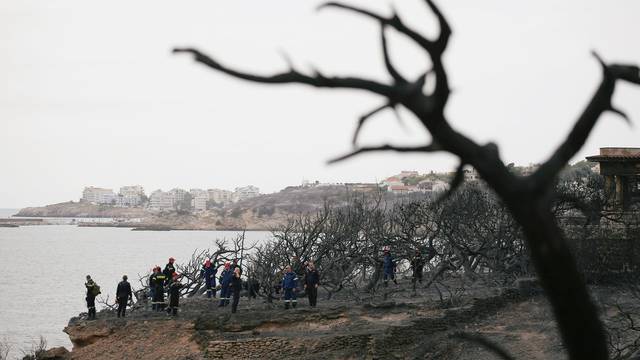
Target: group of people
<point x="165" y="279"/>
<point x="230" y="284"/>
<point x="417" y="263"/>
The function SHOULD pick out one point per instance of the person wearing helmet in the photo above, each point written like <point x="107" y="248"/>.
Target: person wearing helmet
<point x="174" y="294"/>
<point x="92" y="291"/>
<point x="159" y="280"/>
<point x="168" y="271"/>
<point x="123" y="294"/>
<point x="208" y="273"/>
<point x="225" y="281"/>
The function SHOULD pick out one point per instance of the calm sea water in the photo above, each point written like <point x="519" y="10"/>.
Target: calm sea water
<point x="43" y="269"/>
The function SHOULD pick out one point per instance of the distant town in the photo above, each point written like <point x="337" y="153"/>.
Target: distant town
<point x="178" y="199"/>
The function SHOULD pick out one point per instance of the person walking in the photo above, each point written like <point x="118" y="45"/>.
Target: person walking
<point x="174" y="294"/>
<point x="225" y="282"/>
<point x="159" y="280"/>
<point x="311" y="282"/>
<point x="208" y="273"/>
<point x="236" y="286"/>
<point x="389" y="267"/>
<point x="289" y="284"/>
<point x="92" y="291"/>
<point x="123" y="295"/>
<point x="169" y="270"/>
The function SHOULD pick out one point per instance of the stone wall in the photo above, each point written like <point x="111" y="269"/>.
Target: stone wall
<point x="605" y="250"/>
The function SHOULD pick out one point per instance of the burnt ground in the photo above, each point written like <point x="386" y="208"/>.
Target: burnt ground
<point x="398" y="327"/>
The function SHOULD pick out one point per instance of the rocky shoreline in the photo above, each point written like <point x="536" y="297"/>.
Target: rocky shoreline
<point x="391" y="325"/>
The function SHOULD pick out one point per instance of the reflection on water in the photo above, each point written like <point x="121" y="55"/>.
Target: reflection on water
<point x="43" y="268"/>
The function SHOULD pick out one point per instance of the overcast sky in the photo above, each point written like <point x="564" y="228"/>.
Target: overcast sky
<point x="90" y="93"/>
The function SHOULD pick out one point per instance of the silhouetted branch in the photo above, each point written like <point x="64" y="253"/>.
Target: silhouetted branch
<point x="600" y="102"/>
<point x="426" y="148"/>
<point x="294" y="77"/>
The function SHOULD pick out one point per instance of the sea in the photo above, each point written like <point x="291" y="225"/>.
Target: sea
<point x="43" y="270"/>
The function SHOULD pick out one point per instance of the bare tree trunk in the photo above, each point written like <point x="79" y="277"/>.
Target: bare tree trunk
<point x="556" y="268"/>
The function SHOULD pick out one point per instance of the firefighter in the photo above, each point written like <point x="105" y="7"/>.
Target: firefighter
<point x="174" y="294"/>
<point x="311" y="282"/>
<point x="225" y="281"/>
<point x="417" y="264"/>
<point x="152" y="286"/>
<point x="159" y="280"/>
<point x="389" y="267"/>
<point x="92" y="291"/>
<point x="208" y="273"/>
<point x="123" y="295"/>
<point x="289" y="283"/>
<point x="236" y="286"/>
<point x="169" y="270"/>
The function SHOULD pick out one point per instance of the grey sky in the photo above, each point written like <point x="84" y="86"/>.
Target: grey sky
<point x="90" y="94"/>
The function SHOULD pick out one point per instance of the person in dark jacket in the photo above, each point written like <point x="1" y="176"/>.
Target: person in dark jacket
<point x="169" y="270"/>
<point x="311" y="282"/>
<point x="159" y="280"/>
<point x="253" y="287"/>
<point x="174" y="294"/>
<point x="236" y="286"/>
<point x="289" y="284"/>
<point x="417" y="264"/>
<point x="152" y="286"/>
<point x="123" y="295"/>
<point x="208" y="273"/>
<point x="92" y="291"/>
<point x="225" y="282"/>
<point x="389" y="267"/>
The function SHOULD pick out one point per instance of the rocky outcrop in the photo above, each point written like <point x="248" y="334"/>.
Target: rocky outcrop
<point x="339" y="329"/>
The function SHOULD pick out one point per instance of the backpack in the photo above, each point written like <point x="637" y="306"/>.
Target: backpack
<point x="95" y="291"/>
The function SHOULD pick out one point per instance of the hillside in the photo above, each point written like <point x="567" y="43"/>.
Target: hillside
<point x="258" y="213"/>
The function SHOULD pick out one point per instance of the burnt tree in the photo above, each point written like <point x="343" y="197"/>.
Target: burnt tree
<point x="528" y="198"/>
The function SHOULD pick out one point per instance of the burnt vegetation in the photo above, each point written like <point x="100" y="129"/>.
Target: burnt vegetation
<point x="529" y="199"/>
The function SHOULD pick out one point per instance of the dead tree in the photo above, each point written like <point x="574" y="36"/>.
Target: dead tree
<point x="528" y="198"/>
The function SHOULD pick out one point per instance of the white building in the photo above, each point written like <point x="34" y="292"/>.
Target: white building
<point x="220" y="196"/>
<point x="161" y="200"/>
<point x="130" y="196"/>
<point x="178" y="195"/>
<point x="247" y="192"/>
<point x="199" y="199"/>
<point x="95" y="195"/>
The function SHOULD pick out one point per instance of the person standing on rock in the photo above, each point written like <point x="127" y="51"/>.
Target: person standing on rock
<point x="311" y="282"/>
<point x="123" y="295"/>
<point x="159" y="280"/>
<point x="152" y="286"/>
<point x="236" y="286"/>
<point x="289" y="284"/>
<point x="174" y="294"/>
<point x="225" y="282"/>
<point x="169" y="270"/>
<point x="208" y="273"/>
<point x="92" y="291"/>
<point x="389" y="267"/>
